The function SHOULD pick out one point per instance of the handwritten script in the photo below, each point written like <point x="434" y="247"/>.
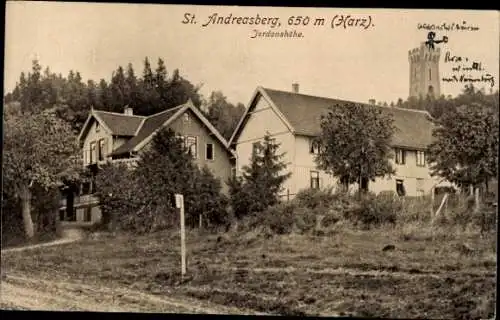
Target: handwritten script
<point x="276" y="27"/>
<point x="452" y="26"/>
<point x="464" y="70"/>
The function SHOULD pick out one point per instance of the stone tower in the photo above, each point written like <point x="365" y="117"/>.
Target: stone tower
<point x="424" y="71"/>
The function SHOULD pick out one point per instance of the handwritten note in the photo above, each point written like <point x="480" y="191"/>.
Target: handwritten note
<point x="281" y="27"/>
<point x="447" y="26"/>
<point x="465" y="70"/>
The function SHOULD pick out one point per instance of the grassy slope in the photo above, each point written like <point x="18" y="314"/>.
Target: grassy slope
<point x="343" y="273"/>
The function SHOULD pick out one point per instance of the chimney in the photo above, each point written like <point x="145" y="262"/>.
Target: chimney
<point x="372" y="101"/>
<point x="295" y="87"/>
<point x="129" y="111"/>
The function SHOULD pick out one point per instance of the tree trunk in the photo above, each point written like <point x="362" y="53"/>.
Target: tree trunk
<point x="26" y="211"/>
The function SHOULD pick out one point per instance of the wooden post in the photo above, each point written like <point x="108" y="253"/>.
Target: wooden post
<point x="445" y="198"/>
<point x="179" y="203"/>
<point x="476" y="197"/>
<point x="433" y="191"/>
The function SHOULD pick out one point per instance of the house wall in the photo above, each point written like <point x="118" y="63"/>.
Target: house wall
<point x="261" y="120"/>
<point x="408" y="172"/>
<point x="94" y="135"/>
<point x="222" y="164"/>
<point x="304" y="164"/>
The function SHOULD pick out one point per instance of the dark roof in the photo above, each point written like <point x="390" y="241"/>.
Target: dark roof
<point x="303" y="112"/>
<point x="151" y="123"/>
<point x="120" y="124"/>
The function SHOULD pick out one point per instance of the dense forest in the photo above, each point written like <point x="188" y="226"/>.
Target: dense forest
<point x="149" y="93"/>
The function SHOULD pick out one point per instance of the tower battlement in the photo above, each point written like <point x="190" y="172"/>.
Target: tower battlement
<point x="424" y="53"/>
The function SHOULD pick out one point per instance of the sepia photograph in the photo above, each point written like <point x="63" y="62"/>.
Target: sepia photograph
<point x="250" y="160"/>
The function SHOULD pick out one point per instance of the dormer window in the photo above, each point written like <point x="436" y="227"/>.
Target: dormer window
<point x="314" y="146"/>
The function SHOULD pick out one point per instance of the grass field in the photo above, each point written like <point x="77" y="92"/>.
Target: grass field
<point x="450" y="274"/>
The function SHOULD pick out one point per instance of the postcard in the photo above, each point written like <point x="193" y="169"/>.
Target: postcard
<point x="250" y="160"/>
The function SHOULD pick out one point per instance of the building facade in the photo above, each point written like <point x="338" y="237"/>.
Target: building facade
<point x="293" y="120"/>
<point x="115" y="137"/>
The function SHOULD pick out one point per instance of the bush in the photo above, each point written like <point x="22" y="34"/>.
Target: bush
<point x="312" y="198"/>
<point x="280" y="218"/>
<point x="304" y="219"/>
<point x="374" y="211"/>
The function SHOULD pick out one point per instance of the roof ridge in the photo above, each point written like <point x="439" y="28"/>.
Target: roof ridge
<point x="119" y="114"/>
<point x="167" y="110"/>
<point x="350" y="101"/>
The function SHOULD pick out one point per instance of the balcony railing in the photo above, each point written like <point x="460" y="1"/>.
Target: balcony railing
<point x="79" y="200"/>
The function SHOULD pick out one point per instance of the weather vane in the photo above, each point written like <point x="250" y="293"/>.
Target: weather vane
<point x="430" y="40"/>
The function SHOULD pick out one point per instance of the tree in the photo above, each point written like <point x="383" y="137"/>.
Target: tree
<point x="118" y="90"/>
<point x="465" y="150"/>
<point x="261" y="181"/>
<point x="354" y="143"/>
<point x="146" y="202"/>
<point x="222" y="114"/>
<point x="131" y="87"/>
<point x="39" y="150"/>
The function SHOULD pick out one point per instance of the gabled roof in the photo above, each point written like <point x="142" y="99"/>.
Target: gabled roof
<point x="153" y="123"/>
<point x="302" y="113"/>
<point x="117" y="124"/>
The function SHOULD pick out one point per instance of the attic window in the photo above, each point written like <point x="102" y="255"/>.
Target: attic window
<point x="97" y="127"/>
<point x="314" y="146"/>
<point x="186" y="117"/>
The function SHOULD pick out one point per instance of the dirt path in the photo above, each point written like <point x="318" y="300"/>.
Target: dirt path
<point x="68" y="236"/>
<point x="21" y="293"/>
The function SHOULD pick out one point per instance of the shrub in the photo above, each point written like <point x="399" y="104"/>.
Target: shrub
<point x="280" y="218"/>
<point x="304" y="219"/>
<point x="374" y="211"/>
<point x="312" y="198"/>
<point x="115" y="185"/>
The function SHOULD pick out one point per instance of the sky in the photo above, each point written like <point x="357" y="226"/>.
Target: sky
<point x="351" y="63"/>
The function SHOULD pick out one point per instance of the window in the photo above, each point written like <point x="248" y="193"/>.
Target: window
<point x="192" y="146"/>
<point x="233" y="172"/>
<point x="209" y="152"/>
<point x="183" y="140"/>
<point x="101" y="150"/>
<point x="186" y="116"/>
<point x="420" y="187"/>
<point x="400" y="156"/>
<point x="314" y="180"/>
<point x="92" y="152"/>
<point x="314" y="146"/>
<point x="97" y="126"/>
<point x="400" y="188"/>
<point x="430" y="74"/>
<point x="420" y="158"/>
